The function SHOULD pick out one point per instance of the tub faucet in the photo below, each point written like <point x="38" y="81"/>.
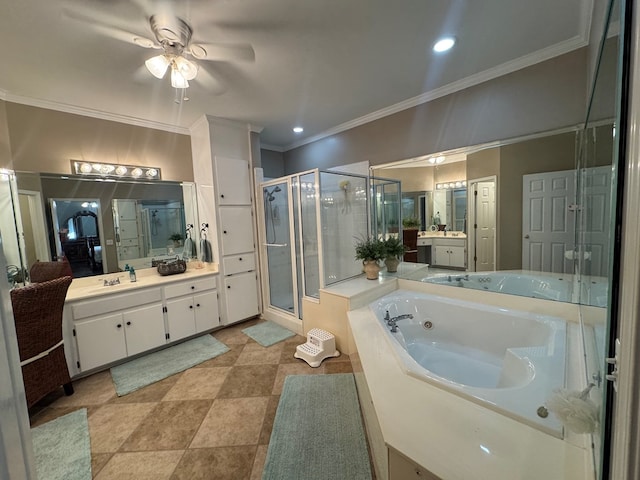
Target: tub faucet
<point x="392" y="321"/>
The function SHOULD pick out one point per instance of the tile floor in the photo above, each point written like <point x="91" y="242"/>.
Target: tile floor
<point x="212" y="421"/>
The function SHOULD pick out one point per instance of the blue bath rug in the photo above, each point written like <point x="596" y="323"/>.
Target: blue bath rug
<point x="62" y="448"/>
<point x="317" y="433"/>
<point x="143" y="371"/>
<point x="268" y="333"/>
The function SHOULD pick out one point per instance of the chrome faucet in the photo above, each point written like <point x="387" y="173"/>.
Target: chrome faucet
<point x="392" y="321"/>
<point x="109" y="283"/>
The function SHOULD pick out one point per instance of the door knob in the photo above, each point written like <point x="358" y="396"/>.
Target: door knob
<point x="526" y="236"/>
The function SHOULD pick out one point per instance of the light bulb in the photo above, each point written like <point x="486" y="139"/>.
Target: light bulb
<point x="177" y="80"/>
<point x="136" y="172"/>
<point x="157" y="65"/>
<point x="121" y="170"/>
<point x="187" y="69"/>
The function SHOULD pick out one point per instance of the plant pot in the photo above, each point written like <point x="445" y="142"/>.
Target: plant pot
<point x="371" y="269"/>
<point x="392" y="264"/>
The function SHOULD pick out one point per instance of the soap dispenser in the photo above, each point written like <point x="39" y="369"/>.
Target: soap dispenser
<point x="132" y="274"/>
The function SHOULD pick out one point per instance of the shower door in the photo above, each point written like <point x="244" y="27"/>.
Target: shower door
<point x="278" y="242"/>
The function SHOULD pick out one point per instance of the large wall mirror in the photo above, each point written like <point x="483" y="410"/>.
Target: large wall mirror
<point x="99" y="225"/>
<point x="512" y="209"/>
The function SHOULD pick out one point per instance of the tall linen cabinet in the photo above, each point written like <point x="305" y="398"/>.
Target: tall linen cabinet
<point x="222" y="167"/>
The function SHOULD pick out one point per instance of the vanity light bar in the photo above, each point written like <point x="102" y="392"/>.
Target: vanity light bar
<point x="89" y="169"/>
<point x="448" y="185"/>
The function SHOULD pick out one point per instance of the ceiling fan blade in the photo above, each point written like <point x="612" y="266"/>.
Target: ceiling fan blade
<point x="211" y="84"/>
<point x="110" y="30"/>
<point x="222" y="52"/>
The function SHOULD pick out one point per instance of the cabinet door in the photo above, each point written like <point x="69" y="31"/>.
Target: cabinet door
<point x="441" y="255"/>
<point x="100" y="341"/>
<point x="457" y="256"/>
<point x="236" y="224"/>
<point x="206" y="308"/>
<point x="180" y="318"/>
<point x="241" y="295"/>
<point x="144" y="328"/>
<point x="232" y="181"/>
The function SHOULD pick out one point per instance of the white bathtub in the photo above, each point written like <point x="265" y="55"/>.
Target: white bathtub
<point x="547" y="286"/>
<point x="506" y="360"/>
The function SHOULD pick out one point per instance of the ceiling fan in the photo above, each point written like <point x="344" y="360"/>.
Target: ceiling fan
<point x="173" y="36"/>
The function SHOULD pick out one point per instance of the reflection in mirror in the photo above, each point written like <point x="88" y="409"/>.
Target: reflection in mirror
<point x="147" y="228"/>
<point x="77" y="234"/>
<point x="522" y="218"/>
<point x="174" y="201"/>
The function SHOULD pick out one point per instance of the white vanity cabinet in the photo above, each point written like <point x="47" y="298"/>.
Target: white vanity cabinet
<point x="113" y="327"/>
<point x="235" y="189"/>
<point x="191" y="307"/>
<point x="222" y="152"/>
<point x="449" y="253"/>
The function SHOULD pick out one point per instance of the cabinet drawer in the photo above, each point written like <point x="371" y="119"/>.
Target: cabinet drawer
<point x="185" y="288"/>
<point x="239" y="263"/>
<point x="449" y="242"/>
<point x="113" y="303"/>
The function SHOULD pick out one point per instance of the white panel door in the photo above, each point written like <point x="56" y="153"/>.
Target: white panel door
<point x="485" y="226"/>
<point x="233" y="184"/>
<point x="236" y="224"/>
<point x="548" y="224"/>
<point x="594" y="231"/>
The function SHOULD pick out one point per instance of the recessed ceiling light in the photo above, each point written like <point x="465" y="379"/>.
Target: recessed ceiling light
<point x="298" y="129"/>
<point x="444" y="44"/>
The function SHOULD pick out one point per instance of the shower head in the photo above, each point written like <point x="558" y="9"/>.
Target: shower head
<point x="269" y="194"/>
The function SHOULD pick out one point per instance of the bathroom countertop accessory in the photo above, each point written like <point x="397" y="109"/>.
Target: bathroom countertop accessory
<point x="320" y="345"/>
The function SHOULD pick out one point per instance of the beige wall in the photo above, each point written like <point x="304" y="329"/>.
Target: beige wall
<point x="46" y="140"/>
<point x="450" y="172"/>
<point x="419" y="179"/>
<point x="5" y="147"/>
<point x="543" y="97"/>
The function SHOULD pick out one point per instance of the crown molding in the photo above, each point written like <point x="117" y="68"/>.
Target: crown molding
<point x="273" y="148"/>
<point x="539" y="56"/>
<point x="88" y="112"/>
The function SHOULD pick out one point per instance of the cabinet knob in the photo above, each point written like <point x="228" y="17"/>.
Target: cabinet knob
<point x="190" y="306"/>
<point x="128" y="323"/>
<point x="197" y="304"/>
<point x="224" y="231"/>
<point x="228" y="286"/>
<point x="193" y="287"/>
<point x="240" y="259"/>
<point x="222" y="196"/>
<point x="119" y="325"/>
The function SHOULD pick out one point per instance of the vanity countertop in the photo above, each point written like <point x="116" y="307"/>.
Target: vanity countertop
<point x="442" y="235"/>
<point x="91" y="287"/>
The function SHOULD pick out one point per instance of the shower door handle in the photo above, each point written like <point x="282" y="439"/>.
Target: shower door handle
<point x="275" y="244"/>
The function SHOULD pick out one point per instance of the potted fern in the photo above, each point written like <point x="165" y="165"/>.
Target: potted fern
<point x="370" y="250"/>
<point x="394" y="249"/>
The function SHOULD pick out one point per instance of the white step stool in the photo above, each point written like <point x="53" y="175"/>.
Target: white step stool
<point x="320" y="345"/>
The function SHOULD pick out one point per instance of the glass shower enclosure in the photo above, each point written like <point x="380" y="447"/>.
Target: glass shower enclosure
<point x="309" y="224"/>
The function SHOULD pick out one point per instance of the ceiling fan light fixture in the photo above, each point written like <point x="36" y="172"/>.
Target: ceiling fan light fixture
<point x="157" y="65"/>
<point x="177" y="79"/>
<point x="187" y="69"/>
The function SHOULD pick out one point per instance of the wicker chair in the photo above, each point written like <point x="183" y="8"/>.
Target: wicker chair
<point x="45" y="271"/>
<point x="37" y="311"/>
